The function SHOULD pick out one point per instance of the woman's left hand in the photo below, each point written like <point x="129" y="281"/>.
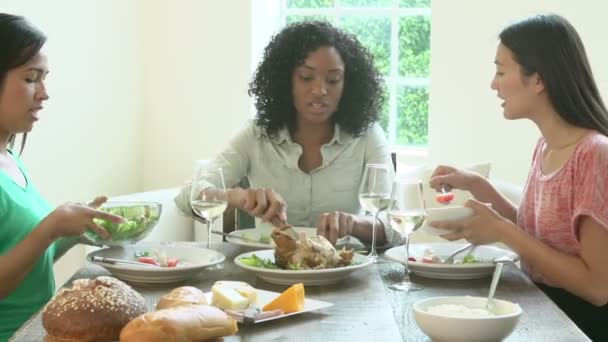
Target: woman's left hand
<point x="334" y="225"/>
<point x="485" y="226"/>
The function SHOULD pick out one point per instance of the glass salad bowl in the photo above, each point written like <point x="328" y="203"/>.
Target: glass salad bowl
<point x="140" y="218"/>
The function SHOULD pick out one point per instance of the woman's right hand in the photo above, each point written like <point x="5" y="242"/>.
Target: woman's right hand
<point x="450" y="177"/>
<point x="73" y="219"/>
<point x="264" y="203"/>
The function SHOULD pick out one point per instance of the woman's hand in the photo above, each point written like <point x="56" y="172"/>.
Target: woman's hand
<point x="485" y="226"/>
<point x="73" y="219"/>
<point x="262" y="202"/>
<point x="334" y="225"/>
<point x="450" y="177"/>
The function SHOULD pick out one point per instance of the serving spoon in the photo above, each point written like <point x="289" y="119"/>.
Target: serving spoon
<point x="495" y="277"/>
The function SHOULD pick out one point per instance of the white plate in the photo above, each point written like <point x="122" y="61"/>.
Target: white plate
<point x="307" y="277"/>
<point x="443" y="271"/>
<point x="198" y="259"/>
<point x="256" y="233"/>
<point x="265" y="297"/>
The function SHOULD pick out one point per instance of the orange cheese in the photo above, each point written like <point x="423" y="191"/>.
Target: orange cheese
<point x="291" y="300"/>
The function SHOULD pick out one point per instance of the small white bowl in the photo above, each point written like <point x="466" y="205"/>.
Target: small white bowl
<point x="451" y="213"/>
<point x="455" y="328"/>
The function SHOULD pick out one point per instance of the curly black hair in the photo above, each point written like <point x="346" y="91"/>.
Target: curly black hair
<point x="362" y="97"/>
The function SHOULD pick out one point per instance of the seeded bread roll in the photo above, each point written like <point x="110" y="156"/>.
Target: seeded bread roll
<point x="92" y="310"/>
<point x="184" y="295"/>
<point x="179" y="324"/>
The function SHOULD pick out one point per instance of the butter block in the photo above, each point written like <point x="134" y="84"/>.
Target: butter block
<point x="242" y="288"/>
<point x="228" y="298"/>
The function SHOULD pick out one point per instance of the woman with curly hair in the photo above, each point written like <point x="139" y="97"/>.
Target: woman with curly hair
<point x="318" y="98"/>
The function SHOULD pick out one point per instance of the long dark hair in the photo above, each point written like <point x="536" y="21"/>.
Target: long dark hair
<point x="19" y="42"/>
<point x="362" y="98"/>
<point x="550" y="46"/>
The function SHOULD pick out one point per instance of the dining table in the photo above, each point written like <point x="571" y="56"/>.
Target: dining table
<point x="364" y="308"/>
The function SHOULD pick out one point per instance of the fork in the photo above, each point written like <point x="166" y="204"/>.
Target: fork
<point x="450" y="258"/>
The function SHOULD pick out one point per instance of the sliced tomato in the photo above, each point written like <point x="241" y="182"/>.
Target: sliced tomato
<point x="428" y="260"/>
<point x="147" y="260"/>
<point x="445" y="198"/>
<point x="172" y="262"/>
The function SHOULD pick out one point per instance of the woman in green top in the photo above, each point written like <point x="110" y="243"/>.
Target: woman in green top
<point x="32" y="234"/>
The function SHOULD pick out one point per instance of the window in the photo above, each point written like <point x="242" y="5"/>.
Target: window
<point x="397" y="32"/>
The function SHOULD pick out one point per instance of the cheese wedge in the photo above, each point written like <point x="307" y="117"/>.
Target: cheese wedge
<point x="228" y="298"/>
<point x="291" y="300"/>
<point x="242" y="288"/>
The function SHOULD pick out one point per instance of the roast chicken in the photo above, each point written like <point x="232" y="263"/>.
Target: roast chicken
<point x="297" y="251"/>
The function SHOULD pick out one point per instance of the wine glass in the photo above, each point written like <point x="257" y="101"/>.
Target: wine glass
<point x="208" y="196"/>
<point x="406" y="213"/>
<point x="374" y="195"/>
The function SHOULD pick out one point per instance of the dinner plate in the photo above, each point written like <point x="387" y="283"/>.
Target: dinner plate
<point x="486" y="254"/>
<point x="195" y="259"/>
<point x="255" y="234"/>
<point x="307" y="277"/>
<point x="263" y="233"/>
<point x="265" y="297"/>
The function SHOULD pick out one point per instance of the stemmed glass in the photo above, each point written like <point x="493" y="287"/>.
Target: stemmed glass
<point x="406" y="213"/>
<point x="374" y="195"/>
<point x="208" y="196"/>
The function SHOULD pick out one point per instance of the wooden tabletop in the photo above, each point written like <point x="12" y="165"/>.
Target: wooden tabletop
<point x="364" y="307"/>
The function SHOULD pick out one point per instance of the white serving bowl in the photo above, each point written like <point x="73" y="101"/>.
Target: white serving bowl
<point x="467" y="329"/>
<point x="451" y="213"/>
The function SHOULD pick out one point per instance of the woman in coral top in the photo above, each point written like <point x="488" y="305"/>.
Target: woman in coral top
<point x="560" y="229"/>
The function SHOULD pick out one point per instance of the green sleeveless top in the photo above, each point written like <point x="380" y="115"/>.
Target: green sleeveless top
<point x="22" y="209"/>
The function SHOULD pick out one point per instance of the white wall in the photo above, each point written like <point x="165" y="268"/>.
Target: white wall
<point x="465" y="122"/>
<point x="87" y="141"/>
<point x="196" y="69"/>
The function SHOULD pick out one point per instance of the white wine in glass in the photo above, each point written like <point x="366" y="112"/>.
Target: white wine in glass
<point x="374" y="196"/>
<point x="208" y="196"/>
<point x="406" y="214"/>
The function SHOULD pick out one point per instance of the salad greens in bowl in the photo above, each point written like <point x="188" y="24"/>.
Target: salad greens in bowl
<point x="140" y="218"/>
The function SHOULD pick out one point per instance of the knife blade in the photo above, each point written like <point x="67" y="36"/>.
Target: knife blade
<point x="234" y="236"/>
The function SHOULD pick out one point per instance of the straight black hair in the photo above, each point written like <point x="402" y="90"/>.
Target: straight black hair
<point x="19" y="42"/>
<point x="550" y="46"/>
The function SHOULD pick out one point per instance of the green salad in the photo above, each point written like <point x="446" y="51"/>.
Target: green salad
<point x="264" y="238"/>
<point x="138" y="220"/>
<point x="256" y="261"/>
<point x="468" y="259"/>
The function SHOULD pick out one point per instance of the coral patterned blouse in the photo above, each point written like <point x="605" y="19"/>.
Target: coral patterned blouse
<point x="552" y="204"/>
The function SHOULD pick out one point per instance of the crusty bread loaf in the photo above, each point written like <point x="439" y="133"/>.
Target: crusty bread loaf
<point x="184" y="295"/>
<point x="92" y="310"/>
<point x="179" y="324"/>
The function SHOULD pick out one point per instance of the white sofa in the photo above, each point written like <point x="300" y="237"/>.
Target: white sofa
<point x="173" y="226"/>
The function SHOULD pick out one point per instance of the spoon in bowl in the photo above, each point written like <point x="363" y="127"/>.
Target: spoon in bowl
<point x="495" y="277"/>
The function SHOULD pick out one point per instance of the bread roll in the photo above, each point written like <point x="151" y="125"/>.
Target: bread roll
<point x="92" y="310"/>
<point x="184" y="295"/>
<point x="179" y="324"/>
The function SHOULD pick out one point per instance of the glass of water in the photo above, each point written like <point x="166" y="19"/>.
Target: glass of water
<point x="374" y="195"/>
<point x="208" y="196"/>
<point x="406" y="214"/>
